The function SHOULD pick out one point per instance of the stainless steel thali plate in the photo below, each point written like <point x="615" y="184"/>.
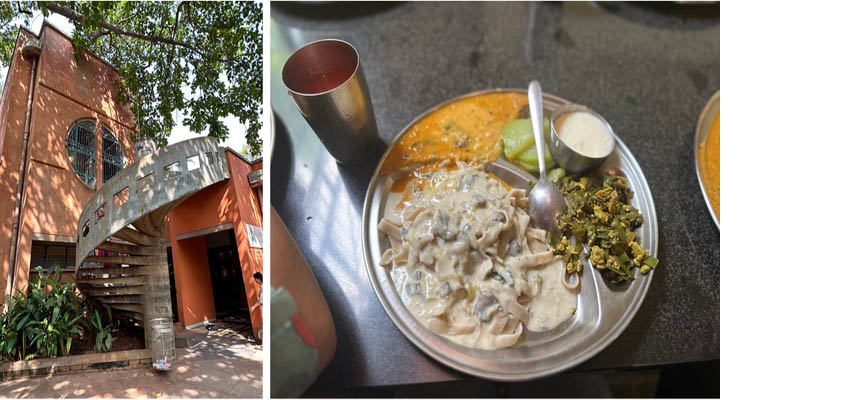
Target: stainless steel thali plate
<point x="712" y="108"/>
<point x="603" y="311"/>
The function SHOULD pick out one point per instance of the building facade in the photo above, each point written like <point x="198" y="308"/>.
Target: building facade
<point x="77" y="136"/>
<point x="63" y="133"/>
<point x="216" y="247"/>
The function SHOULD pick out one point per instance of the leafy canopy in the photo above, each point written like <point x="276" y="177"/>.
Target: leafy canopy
<point x="203" y="59"/>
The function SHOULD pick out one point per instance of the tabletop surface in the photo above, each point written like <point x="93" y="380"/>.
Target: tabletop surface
<point x="648" y="69"/>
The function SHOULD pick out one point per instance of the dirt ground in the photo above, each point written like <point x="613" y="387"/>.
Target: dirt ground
<point x="210" y="366"/>
<point x="128" y="337"/>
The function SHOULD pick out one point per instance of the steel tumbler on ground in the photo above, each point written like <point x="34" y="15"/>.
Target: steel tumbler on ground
<point x="326" y="81"/>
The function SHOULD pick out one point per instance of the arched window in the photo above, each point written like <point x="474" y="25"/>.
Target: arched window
<point x="113" y="157"/>
<point x="81" y="148"/>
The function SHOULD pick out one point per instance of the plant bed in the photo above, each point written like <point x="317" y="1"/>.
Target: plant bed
<point x="53" y="329"/>
<point x="54" y="319"/>
<point x="112" y="361"/>
<point x="127" y="334"/>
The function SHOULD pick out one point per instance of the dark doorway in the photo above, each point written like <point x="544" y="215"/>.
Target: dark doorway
<point x="174" y="315"/>
<point x="226" y="276"/>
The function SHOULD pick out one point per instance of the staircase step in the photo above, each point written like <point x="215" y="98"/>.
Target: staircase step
<point x="136" y="308"/>
<point x="113" y="291"/>
<point x="129" y="260"/>
<point x="135" y="270"/>
<point x="134" y="236"/>
<point x="147" y="226"/>
<point x="132" y="314"/>
<point x="111" y="282"/>
<point x="129" y="299"/>
<point x="130" y="249"/>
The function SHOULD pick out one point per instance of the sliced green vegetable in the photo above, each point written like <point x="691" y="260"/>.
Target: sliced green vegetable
<point x="530" y="157"/>
<point x="651" y="261"/>
<point x="517" y="137"/>
<point x="518" y="144"/>
<point x="528" y="167"/>
<point x="555" y="175"/>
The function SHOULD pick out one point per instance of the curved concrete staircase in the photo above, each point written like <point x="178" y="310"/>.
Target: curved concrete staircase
<point x="121" y="259"/>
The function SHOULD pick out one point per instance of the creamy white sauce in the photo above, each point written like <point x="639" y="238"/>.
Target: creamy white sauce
<point x="467" y="264"/>
<point x="584" y="133"/>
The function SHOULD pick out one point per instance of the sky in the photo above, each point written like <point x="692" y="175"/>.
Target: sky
<point x="236" y="138"/>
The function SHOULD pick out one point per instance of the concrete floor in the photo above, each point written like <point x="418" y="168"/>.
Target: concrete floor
<point x="210" y="366"/>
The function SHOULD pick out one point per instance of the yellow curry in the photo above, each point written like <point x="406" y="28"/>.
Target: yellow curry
<point x="467" y="130"/>
<point x="709" y="164"/>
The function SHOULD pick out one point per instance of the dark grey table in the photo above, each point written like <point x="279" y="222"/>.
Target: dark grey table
<point x="649" y="69"/>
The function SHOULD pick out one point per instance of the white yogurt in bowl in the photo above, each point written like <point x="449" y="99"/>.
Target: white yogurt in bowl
<point x="580" y="139"/>
<point x="585" y="133"/>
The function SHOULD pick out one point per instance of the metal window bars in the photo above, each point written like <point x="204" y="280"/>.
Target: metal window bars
<point x="81" y="148"/>
<point x="113" y="156"/>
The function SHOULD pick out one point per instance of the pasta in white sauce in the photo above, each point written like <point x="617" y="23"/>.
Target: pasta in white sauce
<point x="468" y="265"/>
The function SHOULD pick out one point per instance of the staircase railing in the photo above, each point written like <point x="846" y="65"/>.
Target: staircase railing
<point x="124" y="221"/>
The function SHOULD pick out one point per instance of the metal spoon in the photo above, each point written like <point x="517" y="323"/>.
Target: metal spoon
<point x="545" y="202"/>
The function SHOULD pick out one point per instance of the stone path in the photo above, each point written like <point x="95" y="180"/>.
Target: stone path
<point x="209" y="367"/>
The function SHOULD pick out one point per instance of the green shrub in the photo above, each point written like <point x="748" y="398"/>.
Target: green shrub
<point x="103" y="339"/>
<point x="45" y="322"/>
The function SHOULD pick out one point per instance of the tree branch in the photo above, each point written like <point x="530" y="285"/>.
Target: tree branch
<point x="173" y="34"/>
<point x="99" y="34"/>
<point x="77" y="17"/>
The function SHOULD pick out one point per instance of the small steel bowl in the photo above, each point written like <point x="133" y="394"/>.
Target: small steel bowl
<point x="571" y="160"/>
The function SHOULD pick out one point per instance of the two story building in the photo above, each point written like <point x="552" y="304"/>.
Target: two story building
<point x="63" y="133"/>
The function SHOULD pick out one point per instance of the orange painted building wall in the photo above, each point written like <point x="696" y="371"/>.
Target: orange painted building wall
<point x="230" y="201"/>
<point x="12" y="115"/>
<point x="194" y="279"/>
<point x="68" y="89"/>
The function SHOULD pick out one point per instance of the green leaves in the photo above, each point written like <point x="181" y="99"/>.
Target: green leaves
<point x="203" y="59"/>
<point x="43" y="323"/>
<point x="104" y="339"/>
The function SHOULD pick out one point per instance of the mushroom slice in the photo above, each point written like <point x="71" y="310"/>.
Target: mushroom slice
<point x="485" y="305"/>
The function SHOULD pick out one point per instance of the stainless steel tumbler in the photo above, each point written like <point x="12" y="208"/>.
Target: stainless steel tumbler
<point x="326" y="81"/>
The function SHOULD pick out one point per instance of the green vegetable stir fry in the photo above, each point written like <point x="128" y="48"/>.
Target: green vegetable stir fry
<point x="599" y="215"/>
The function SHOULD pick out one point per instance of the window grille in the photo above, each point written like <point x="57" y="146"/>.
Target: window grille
<point x="81" y="148"/>
<point x="113" y="156"/>
<point x="51" y="254"/>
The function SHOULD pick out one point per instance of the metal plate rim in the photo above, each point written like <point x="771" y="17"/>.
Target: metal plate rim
<point x="712" y="107"/>
<point x="585" y="354"/>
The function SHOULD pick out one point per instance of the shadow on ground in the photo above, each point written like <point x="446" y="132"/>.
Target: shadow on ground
<point x="209" y="366"/>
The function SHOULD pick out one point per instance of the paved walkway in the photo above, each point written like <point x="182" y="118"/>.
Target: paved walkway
<point x="210" y="366"/>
